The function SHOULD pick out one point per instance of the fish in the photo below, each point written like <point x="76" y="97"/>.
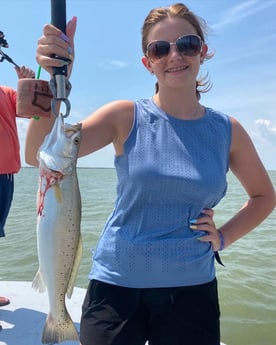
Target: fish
<point x="59" y="243"/>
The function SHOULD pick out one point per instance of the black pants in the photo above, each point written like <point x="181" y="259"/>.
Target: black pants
<point x="6" y="195"/>
<point x="114" y="315"/>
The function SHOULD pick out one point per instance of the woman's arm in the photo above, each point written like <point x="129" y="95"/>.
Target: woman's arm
<point x="248" y="168"/>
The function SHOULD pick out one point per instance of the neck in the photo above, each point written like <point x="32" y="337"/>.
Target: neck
<point x="181" y="106"/>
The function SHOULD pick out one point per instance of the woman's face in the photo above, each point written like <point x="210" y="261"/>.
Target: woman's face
<point x="175" y="70"/>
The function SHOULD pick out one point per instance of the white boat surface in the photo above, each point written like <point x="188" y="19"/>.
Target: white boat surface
<point x="23" y="319"/>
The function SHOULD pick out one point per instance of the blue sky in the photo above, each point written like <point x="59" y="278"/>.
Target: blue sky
<point x="108" y="59"/>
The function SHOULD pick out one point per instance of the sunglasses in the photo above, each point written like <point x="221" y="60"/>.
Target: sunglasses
<point x="189" y="45"/>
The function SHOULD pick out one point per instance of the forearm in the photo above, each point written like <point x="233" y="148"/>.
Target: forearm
<point x="36" y="133"/>
<point x="249" y="217"/>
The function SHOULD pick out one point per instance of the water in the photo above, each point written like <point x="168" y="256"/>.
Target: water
<point x="247" y="285"/>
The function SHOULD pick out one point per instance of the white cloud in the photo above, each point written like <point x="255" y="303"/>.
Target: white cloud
<point x="241" y="11"/>
<point x="264" y="132"/>
<point x="113" y="64"/>
<point x="263" y="135"/>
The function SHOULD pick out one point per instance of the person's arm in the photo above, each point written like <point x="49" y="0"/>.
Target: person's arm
<point x="246" y="165"/>
<point x="248" y="168"/>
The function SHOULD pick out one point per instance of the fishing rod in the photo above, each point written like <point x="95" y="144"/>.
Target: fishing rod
<point x="59" y="84"/>
<point x="4" y="44"/>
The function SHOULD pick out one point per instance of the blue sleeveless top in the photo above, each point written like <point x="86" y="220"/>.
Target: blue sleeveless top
<point x="170" y="171"/>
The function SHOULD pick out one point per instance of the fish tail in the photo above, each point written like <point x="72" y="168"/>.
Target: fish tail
<point x="56" y="331"/>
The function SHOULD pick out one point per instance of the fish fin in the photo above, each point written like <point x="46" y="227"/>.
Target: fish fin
<point x="56" y="331"/>
<point x="38" y="282"/>
<point x="75" y="269"/>
<point x="58" y="192"/>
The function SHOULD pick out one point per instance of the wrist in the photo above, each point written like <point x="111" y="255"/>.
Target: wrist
<point x="222" y="242"/>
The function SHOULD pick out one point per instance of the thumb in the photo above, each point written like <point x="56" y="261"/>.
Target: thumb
<point x="71" y="29"/>
<point x="17" y="70"/>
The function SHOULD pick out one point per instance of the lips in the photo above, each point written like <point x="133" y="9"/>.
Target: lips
<point x="177" y="69"/>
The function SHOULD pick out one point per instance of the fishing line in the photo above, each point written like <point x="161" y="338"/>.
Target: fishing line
<point x="37" y="77"/>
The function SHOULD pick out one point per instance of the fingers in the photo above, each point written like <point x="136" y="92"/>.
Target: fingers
<point x="55" y="49"/>
<point x="51" y="45"/>
<point x="208" y="211"/>
<point x="24" y="72"/>
<point x="205" y="223"/>
<point x="71" y="30"/>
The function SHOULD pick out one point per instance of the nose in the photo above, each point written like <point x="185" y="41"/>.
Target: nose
<point x="174" y="50"/>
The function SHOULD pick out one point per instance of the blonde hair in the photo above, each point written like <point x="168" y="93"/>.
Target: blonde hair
<point x="178" y="10"/>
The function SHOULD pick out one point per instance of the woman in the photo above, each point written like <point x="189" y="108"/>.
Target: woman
<point x="153" y="275"/>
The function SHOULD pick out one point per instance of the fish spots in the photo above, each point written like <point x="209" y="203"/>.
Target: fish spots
<point x="59" y="214"/>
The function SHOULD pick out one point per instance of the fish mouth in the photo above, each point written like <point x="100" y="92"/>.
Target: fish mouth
<point x="72" y="128"/>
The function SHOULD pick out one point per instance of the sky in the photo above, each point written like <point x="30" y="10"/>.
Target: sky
<point x="107" y="67"/>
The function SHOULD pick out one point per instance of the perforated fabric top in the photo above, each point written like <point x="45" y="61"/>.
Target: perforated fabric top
<point x="170" y="171"/>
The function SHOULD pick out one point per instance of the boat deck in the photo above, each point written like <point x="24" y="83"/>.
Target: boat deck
<point x="23" y="319"/>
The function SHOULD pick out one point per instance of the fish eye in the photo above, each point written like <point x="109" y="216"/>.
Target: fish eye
<point x="77" y="140"/>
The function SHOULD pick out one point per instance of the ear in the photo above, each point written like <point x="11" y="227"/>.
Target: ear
<point x="146" y="63"/>
<point x="203" y="53"/>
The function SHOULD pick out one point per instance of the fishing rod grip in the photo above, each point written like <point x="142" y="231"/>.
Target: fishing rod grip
<point x="58" y="19"/>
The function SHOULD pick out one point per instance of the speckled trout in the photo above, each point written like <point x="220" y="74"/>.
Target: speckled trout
<point x="58" y="227"/>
